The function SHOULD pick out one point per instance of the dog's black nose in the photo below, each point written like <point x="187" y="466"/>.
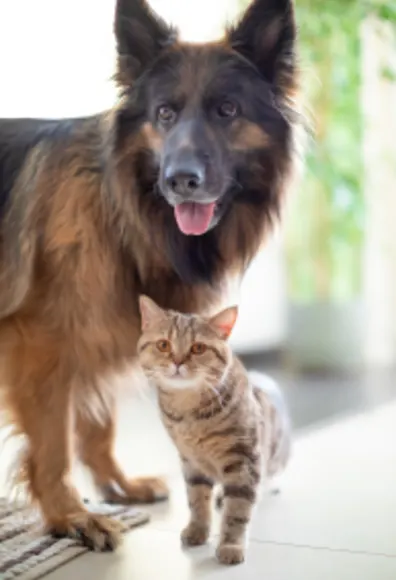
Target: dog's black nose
<point x="184" y="182"/>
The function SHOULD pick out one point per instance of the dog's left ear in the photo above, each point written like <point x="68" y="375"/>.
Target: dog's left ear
<point x="140" y="36"/>
<point x="266" y="36"/>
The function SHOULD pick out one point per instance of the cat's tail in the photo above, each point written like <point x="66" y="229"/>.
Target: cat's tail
<point x="280" y="448"/>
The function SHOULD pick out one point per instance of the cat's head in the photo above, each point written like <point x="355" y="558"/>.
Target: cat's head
<point x="183" y="351"/>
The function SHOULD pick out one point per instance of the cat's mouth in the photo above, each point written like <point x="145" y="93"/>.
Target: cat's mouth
<point x="179" y="377"/>
<point x="178" y="372"/>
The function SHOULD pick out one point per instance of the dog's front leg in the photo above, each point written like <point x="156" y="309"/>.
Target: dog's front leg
<point x="96" y="435"/>
<point x="40" y="397"/>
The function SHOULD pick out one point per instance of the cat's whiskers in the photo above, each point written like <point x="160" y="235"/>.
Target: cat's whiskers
<point x="217" y="394"/>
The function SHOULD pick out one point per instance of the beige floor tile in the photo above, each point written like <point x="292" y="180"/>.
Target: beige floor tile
<point x="156" y="555"/>
<point x="339" y="490"/>
<point x="338" y="500"/>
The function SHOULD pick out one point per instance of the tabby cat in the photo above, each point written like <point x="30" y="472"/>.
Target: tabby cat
<point x="227" y="429"/>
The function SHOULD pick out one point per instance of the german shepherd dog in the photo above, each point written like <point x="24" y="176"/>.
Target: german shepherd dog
<point x="167" y="194"/>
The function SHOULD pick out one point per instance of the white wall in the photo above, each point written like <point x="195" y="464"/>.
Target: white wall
<point x="379" y="105"/>
<point x="56" y="57"/>
<point x="262" y="298"/>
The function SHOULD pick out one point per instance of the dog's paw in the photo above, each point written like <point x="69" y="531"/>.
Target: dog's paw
<point x="230" y="554"/>
<point x="195" y="534"/>
<point x="96" y="532"/>
<point x="139" y="490"/>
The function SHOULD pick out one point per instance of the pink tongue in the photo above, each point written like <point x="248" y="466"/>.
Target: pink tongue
<point x="194" y="219"/>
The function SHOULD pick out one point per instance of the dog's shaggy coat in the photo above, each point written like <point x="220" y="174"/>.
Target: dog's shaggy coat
<point x="88" y="223"/>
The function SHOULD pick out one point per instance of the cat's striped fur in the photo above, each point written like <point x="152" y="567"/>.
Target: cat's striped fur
<point x="228" y="428"/>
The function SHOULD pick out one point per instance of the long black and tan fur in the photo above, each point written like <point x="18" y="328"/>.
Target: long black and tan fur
<point x="87" y="225"/>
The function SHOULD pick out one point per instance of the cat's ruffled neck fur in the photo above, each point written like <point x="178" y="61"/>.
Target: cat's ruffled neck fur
<point x="204" y="395"/>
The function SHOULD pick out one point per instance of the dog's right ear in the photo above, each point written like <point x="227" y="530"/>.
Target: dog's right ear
<point x="140" y="36"/>
<point x="266" y="35"/>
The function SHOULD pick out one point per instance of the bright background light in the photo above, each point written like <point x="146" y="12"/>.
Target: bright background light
<point x="57" y="58"/>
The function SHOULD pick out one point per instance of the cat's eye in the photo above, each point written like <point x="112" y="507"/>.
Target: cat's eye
<point x="163" y="345"/>
<point x="198" y="348"/>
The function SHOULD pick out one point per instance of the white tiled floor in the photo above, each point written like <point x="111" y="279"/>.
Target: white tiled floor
<point x="334" y="520"/>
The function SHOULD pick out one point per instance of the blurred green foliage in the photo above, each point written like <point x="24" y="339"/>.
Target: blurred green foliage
<point x="325" y="232"/>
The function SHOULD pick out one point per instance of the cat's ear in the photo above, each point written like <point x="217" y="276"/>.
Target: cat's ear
<point x="225" y="321"/>
<point x="266" y="36"/>
<point x="140" y="36"/>
<point x="150" y="312"/>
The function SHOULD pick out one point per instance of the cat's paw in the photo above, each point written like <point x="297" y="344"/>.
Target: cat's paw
<point x="195" y="535"/>
<point x="230" y="554"/>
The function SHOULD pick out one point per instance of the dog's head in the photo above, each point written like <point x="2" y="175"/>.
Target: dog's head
<point x="203" y="134"/>
<point x="214" y="115"/>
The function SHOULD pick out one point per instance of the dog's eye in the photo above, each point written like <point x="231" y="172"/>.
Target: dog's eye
<point x="166" y="114"/>
<point x="228" y="109"/>
<point x="164" y="345"/>
<point x="198" y="348"/>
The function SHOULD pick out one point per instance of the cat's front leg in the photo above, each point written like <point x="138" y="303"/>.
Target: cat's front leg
<point x="199" y="493"/>
<point x="239" y="498"/>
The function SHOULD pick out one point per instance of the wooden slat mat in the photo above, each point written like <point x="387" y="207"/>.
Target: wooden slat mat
<point x="27" y="554"/>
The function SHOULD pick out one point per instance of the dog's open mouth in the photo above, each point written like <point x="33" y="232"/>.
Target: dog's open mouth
<point x="194" y="219"/>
